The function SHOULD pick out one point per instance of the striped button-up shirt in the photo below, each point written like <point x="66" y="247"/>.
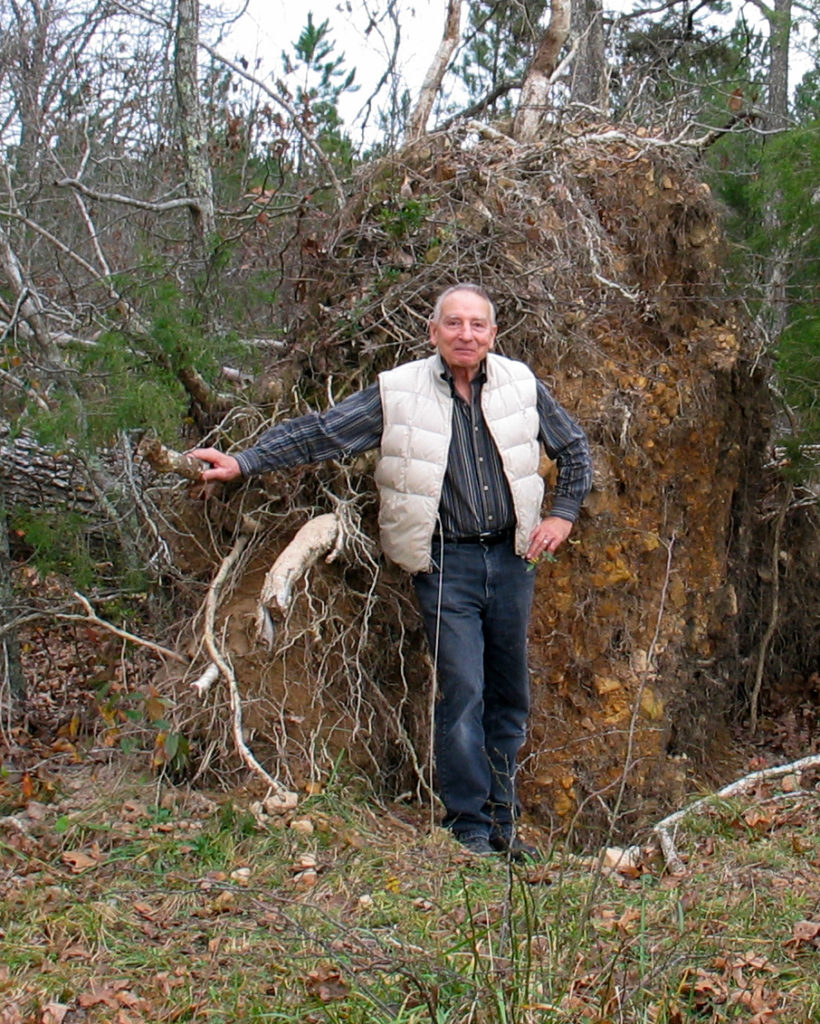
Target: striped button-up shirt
<point x="475" y="496"/>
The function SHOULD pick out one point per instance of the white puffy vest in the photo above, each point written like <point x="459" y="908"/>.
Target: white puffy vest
<point x="418" y="409"/>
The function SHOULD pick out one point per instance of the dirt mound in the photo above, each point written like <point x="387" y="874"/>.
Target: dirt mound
<point x="603" y="251"/>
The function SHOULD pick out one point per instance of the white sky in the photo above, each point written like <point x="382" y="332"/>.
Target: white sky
<point x="270" y="26"/>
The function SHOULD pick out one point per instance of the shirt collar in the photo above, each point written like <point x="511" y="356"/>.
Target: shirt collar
<point x="446" y="373"/>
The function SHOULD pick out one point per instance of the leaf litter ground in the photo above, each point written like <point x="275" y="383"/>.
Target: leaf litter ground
<point x="125" y="899"/>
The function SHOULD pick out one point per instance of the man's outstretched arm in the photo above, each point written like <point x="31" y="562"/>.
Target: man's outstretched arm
<point x="351" y="427"/>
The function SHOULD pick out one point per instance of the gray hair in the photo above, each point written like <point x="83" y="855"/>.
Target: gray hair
<point x="465" y="286"/>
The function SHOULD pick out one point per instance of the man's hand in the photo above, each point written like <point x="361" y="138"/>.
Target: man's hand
<point x="223" y="467"/>
<point x="548" y="536"/>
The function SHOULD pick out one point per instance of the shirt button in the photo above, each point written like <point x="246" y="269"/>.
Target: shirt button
<point x="486" y="488"/>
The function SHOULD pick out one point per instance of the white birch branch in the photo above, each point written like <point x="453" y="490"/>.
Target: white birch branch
<point x="663" y="829"/>
<point x="435" y="73"/>
<point x="139" y="204"/>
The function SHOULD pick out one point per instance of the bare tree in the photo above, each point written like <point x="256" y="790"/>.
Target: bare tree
<point x="775" y="314"/>
<point x="532" y="105"/>
<point x="779" y="17"/>
<point x="435" y="73"/>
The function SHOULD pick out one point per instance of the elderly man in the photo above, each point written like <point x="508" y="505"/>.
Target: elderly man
<point x="459" y="436"/>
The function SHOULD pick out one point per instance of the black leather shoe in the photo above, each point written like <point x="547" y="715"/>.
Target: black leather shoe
<point x="477" y="844"/>
<point x="515" y="848"/>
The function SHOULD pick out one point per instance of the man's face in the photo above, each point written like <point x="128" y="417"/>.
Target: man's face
<point x="463" y="335"/>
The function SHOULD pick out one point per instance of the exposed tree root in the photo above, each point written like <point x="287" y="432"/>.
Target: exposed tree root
<point x="218" y="659"/>
<point x="774" y="614"/>
<point x="316" y="538"/>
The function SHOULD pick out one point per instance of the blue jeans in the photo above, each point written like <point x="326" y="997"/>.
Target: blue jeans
<point x="476" y="608"/>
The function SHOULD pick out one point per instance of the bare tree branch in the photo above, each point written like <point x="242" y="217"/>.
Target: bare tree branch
<point x="91" y="616"/>
<point x="308" y="138"/>
<point x="481" y="105"/>
<point x="664" y="828"/>
<point x="26" y="300"/>
<point x="139" y="204"/>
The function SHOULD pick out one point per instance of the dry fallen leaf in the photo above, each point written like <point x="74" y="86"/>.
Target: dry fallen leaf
<point x="145" y="910"/>
<point x="279" y="804"/>
<point x="628" y="919"/>
<point x="105" y="995"/>
<point x="223" y="902"/>
<point x="326" y="984"/>
<point x="626" y="861"/>
<point x="54" y="1013"/>
<point x="307" y="878"/>
<point x="759" y="820"/>
<point x="80" y="861"/>
<point x="801" y="845"/>
<point x="133" y="810"/>
<point x="807" y="931"/>
<point x="305" y="862"/>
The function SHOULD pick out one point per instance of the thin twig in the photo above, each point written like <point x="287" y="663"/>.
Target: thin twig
<point x="650" y="659"/>
<point x="91" y="616"/>
<point x="773" y="616"/>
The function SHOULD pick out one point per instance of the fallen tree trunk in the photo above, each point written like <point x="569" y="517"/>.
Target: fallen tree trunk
<point x="33" y="475"/>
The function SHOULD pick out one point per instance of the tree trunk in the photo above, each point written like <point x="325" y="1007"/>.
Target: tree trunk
<point x="30" y="69"/>
<point x="780" y="26"/>
<point x="776" y="308"/>
<point x="198" y="179"/>
<point x="13" y="686"/>
<point x="33" y="477"/>
<point x="590" y="76"/>
<point x="435" y="73"/>
<point x="534" y="92"/>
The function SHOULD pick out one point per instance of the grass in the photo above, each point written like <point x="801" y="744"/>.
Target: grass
<point x="123" y="902"/>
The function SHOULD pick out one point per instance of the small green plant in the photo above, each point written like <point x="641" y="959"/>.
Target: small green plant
<point x="401" y="220"/>
<point x="59" y="542"/>
<point x="147" y="712"/>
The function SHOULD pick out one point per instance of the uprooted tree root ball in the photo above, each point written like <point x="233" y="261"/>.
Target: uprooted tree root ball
<point x="603" y="252"/>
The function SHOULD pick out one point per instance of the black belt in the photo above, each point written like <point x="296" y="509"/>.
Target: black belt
<point x="496" y="537"/>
